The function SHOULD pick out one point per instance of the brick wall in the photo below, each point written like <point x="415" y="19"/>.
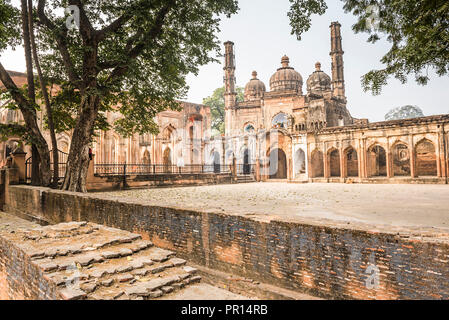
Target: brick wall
<point x="332" y="261"/>
<point x="20" y="279"/>
<point x="100" y="183"/>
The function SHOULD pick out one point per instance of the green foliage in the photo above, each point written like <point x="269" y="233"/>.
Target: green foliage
<point x="8" y="130"/>
<point x="217" y="107"/>
<point x="418" y="31"/>
<point x="300" y="14"/>
<point x="141" y="63"/>
<point x="9" y="25"/>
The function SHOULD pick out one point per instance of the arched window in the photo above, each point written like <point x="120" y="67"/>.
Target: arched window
<point x="317" y="164"/>
<point x="249" y="128"/>
<point x="377" y="161"/>
<point x="334" y="163"/>
<point x="426" y="159"/>
<point x="280" y="121"/>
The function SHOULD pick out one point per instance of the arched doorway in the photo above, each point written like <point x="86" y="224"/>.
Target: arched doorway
<point x="278" y="164"/>
<point x="334" y="163"/>
<point x="146" y="157"/>
<point x="300" y="162"/>
<point x="246" y="162"/>
<point x="317" y="164"/>
<point x="426" y="159"/>
<point x="401" y="160"/>
<point x="377" y="162"/>
<point x="167" y="160"/>
<point x="352" y="162"/>
<point x="216" y="161"/>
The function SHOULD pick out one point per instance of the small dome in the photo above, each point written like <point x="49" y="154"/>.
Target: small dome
<point x="254" y="89"/>
<point x="318" y="81"/>
<point x="286" y="78"/>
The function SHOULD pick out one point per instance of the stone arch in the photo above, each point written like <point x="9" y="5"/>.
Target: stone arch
<point x="167" y="133"/>
<point x="334" y="162"/>
<point x="249" y="128"/>
<point x="246" y="161"/>
<point x="146" y="158"/>
<point x="401" y="159"/>
<point x="300" y="162"/>
<point x="280" y="120"/>
<point x="278" y="164"/>
<point x="377" y="161"/>
<point x="216" y="160"/>
<point x="167" y="157"/>
<point x="426" y="158"/>
<point x="317" y="163"/>
<point x="351" y="162"/>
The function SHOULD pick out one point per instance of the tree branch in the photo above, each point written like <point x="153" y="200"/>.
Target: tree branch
<point x="60" y="37"/>
<point x="150" y="36"/>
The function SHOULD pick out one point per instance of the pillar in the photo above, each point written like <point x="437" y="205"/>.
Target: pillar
<point x="18" y="163"/>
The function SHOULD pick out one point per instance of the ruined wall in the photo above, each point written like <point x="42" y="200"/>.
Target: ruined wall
<point x="98" y="183"/>
<point x="330" y="261"/>
<point x="20" y="279"/>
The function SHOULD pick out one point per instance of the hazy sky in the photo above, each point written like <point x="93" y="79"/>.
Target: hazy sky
<point x="261" y="34"/>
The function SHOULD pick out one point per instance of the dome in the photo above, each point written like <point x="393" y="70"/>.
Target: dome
<point x="318" y="81"/>
<point x="255" y="88"/>
<point x="286" y="78"/>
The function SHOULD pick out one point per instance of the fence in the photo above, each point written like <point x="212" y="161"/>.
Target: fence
<point x="62" y="164"/>
<point x="121" y="169"/>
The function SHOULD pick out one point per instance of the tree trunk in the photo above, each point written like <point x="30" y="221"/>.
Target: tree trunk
<point x="43" y="83"/>
<point x="78" y="161"/>
<point x="28" y="109"/>
<point x="36" y="179"/>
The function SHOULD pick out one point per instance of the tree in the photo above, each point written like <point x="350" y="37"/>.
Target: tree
<point x="418" y="31"/>
<point x="10" y="36"/>
<point x="132" y="56"/>
<point x="217" y="107"/>
<point x="405" y="112"/>
<point x="45" y="94"/>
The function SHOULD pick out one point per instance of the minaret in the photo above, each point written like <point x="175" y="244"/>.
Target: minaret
<point x="338" y="78"/>
<point x="230" y="95"/>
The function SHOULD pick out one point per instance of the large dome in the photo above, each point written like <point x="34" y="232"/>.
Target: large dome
<point x="254" y="89"/>
<point x="286" y="78"/>
<point x="318" y="81"/>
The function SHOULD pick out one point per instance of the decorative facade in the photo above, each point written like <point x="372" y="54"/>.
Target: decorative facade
<point x="310" y="135"/>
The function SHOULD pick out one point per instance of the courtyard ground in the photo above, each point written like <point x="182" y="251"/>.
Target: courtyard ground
<point x="379" y="204"/>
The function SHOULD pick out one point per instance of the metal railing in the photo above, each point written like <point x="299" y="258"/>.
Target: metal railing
<point x="121" y="169"/>
<point x="62" y="164"/>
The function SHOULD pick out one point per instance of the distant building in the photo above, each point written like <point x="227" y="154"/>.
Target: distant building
<point x="181" y="137"/>
<point x="310" y="135"/>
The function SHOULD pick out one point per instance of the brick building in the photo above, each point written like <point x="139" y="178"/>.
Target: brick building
<point x="181" y="137"/>
<point x="311" y="136"/>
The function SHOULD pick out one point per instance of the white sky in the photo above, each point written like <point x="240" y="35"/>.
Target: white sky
<point x="261" y="34"/>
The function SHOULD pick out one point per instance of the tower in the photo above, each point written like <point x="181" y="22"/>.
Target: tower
<point x="338" y="78"/>
<point x="230" y="95"/>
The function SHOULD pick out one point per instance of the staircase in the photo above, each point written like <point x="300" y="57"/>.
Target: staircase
<point x="245" y="179"/>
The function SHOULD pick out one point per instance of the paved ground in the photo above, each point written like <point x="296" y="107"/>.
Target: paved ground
<point x="204" y="291"/>
<point x="89" y="261"/>
<point x="379" y="204"/>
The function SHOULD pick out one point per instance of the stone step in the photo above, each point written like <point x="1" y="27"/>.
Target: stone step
<point x="90" y="261"/>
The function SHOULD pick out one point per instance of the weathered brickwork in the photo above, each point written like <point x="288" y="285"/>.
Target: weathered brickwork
<point x="99" y="183"/>
<point x="329" y="261"/>
<point x="19" y="277"/>
<point x="80" y="260"/>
